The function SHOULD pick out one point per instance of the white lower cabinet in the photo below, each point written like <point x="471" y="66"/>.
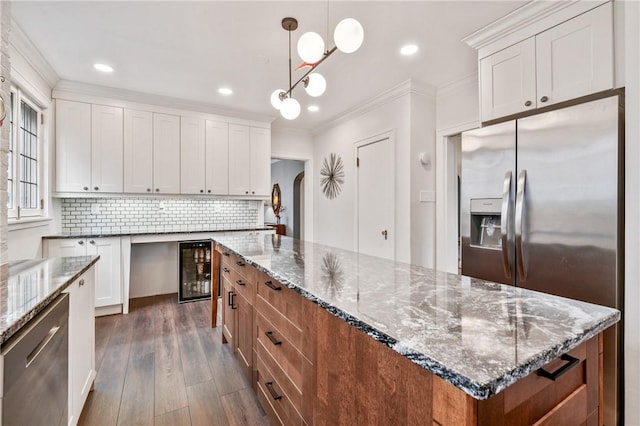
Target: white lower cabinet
<point x="82" y="371"/>
<point x="108" y="284"/>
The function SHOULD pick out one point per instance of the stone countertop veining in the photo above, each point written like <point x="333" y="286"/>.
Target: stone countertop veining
<point x="477" y="335"/>
<point x="28" y="286"/>
<point x="63" y="235"/>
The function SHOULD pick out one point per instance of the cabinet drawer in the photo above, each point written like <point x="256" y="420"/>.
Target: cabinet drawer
<point x="231" y="261"/>
<point x="273" y="397"/>
<point x="283" y="299"/>
<point x="280" y="350"/>
<point x="245" y="286"/>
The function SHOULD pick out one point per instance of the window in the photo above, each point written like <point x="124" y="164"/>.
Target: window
<point x="24" y="185"/>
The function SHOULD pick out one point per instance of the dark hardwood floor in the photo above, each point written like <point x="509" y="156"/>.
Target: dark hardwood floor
<point x="163" y="364"/>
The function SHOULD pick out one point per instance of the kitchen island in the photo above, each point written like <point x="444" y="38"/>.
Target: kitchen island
<point x="331" y="336"/>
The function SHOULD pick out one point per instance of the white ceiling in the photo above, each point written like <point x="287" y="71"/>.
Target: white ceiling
<point x="188" y="50"/>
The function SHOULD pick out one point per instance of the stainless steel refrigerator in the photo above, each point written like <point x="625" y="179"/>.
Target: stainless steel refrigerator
<point x="541" y="201"/>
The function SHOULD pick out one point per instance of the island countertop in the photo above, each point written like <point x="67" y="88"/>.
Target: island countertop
<point x="477" y="335"/>
<point x="28" y="286"/>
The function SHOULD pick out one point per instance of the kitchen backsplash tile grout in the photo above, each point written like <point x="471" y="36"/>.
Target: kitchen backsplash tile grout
<point x="146" y="215"/>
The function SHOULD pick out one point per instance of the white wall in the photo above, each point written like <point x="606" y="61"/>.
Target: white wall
<point x="396" y="111"/>
<point x="632" y="219"/>
<point x="154" y="269"/>
<point x="283" y="173"/>
<point x="295" y="144"/>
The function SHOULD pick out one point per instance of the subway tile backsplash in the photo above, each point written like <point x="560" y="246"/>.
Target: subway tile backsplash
<point x="122" y="215"/>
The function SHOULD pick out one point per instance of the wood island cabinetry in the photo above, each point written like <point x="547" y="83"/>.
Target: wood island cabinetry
<point x="310" y="367"/>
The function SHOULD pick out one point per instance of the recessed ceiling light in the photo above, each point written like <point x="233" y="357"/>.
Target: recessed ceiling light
<point x="103" y="67"/>
<point x="225" y="91"/>
<point x="313" y="108"/>
<point x="409" y="49"/>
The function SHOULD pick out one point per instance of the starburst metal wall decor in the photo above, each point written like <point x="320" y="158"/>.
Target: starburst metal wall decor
<point x="332" y="176"/>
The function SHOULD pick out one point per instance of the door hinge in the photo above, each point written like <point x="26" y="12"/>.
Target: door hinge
<point x="357" y="161"/>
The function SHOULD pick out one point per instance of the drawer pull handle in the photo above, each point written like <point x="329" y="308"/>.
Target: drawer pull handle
<point x="226" y="270"/>
<point x="528" y="103"/>
<point x="571" y="362"/>
<point x="240" y="263"/>
<point x="269" y="335"/>
<point x="271" y="286"/>
<point x="224" y="253"/>
<point x="233" y="300"/>
<point x="272" y="391"/>
<point x="240" y="282"/>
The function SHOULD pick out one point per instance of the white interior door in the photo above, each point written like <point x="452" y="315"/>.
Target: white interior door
<point x="376" y="199"/>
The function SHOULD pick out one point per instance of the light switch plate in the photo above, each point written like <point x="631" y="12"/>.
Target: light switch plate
<point x="427" y="196"/>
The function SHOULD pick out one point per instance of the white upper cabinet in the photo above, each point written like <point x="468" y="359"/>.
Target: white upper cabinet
<point x="73" y="146"/>
<point x="217" y="157"/>
<point x="567" y="61"/>
<point x="166" y="154"/>
<point x="508" y="80"/>
<point x="249" y="160"/>
<point x="138" y="151"/>
<point x="575" y="58"/>
<point x="239" y="159"/>
<point x="106" y="148"/>
<point x="192" y="155"/>
<point x="260" y="161"/>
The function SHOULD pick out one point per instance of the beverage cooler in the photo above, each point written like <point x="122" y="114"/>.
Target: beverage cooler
<point x="195" y="271"/>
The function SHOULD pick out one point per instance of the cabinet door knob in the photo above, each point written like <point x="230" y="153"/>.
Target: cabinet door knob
<point x="246" y="192"/>
<point x="81" y="242"/>
<point x="544" y="99"/>
<point x="253" y="192"/>
<point x="86" y="188"/>
<point x="92" y="242"/>
<point x="209" y="191"/>
<point x="148" y="189"/>
<point x="157" y="189"/>
<point x="528" y="103"/>
<point x="95" y="188"/>
<point x="201" y="191"/>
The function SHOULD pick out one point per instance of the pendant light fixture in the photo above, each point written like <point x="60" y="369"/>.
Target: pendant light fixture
<point x="348" y="37"/>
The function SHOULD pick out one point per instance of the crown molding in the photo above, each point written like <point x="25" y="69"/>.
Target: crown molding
<point x="290" y="130"/>
<point x="526" y="21"/>
<point x="395" y="92"/>
<point x="65" y="88"/>
<point x="19" y="40"/>
<point x="453" y="86"/>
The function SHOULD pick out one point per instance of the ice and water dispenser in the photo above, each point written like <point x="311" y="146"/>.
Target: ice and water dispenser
<point x="485" y="223"/>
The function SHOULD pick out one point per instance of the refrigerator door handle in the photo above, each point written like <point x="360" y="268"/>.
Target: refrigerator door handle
<point x="520" y="197"/>
<point x="504" y="223"/>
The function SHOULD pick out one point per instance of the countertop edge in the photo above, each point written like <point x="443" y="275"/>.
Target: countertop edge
<point x="479" y="391"/>
<point x="42" y="305"/>
<point x="126" y="234"/>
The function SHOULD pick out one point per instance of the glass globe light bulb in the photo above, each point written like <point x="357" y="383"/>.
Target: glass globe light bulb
<point x="290" y="109"/>
<point x="348" y="35"/>
<point x="275" y="98"/>
<point x="310" y="47"/>
<point x="317" y="85"/>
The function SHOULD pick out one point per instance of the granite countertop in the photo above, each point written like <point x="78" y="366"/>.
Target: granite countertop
<point x="63" y="235"/>
<point x="477" y="335"/>
<point x="28" y="286"/>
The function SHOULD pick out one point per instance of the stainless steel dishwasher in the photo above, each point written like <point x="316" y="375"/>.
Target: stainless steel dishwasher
<point x="36" y="362"/>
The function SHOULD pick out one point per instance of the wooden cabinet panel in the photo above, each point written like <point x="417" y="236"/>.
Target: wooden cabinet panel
<point x="228" y="313"/>
<point x="108" y="287"/>
<point x="260" y="162"/>
<point x="73" y="146"/>
<point x="239" y="160"/>
<point x="508" y="81"/>
<point x="283" y="299"/>
<point x="166" y="154"/>
<point x="244" y="335"/>
<point x="81" y="342"/>
<point x="138" y="151"/>
<point x="271" y="395"/>
<point x="217" y="157"/>
<point x="575" y="58"/>
<point x="106" y="149"/>
<point x="192" y="155"/>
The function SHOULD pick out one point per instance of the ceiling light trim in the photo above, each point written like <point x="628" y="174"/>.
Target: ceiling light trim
<point x="19" y="40"/>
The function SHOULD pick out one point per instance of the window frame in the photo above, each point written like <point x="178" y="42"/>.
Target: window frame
<point x="17" y="212"/>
